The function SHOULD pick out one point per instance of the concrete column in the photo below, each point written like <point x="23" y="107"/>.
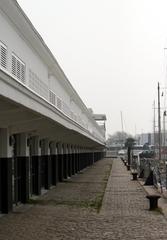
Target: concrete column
<point x="22" y="167"/>
<point x="76" y="159"/>
<point x="35" y="165"/>
<point x="5" y="171"/>
<point x="60" y="161"/>
<point x="73" y="160"/>
<point x="79" y="159"/>
<point x="54" y="162"/>
<point x="79" y="164"/>
<point x="46" y="163"/>
<point x="69" y="160"/>
<point x="91" y="157"/>
<point x="87" y="157"/>
<point x="95" y="156"/>
<point x="65" y="161"/>
<point x="82" y="158"/>
<point x="98" y="155"/>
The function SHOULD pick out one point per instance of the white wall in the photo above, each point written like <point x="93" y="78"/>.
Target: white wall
<point x="37" y="71"/>
<point x="16" y="44"/>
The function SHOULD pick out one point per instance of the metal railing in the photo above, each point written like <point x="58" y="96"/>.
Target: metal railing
<point x="147" y="166"/>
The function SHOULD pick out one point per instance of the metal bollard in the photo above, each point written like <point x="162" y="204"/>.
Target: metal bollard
<point x="153" y="201"/>
<point x="134" y="174"/>
<point x="128" y="167"/>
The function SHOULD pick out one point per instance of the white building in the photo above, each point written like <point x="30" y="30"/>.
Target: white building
<point x="46" y="131"/>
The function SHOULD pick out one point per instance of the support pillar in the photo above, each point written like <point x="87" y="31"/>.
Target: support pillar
<point x="54" y="163"/>
<point x="77" y="156"/>
<point x="73" y="161"/>
<point x="69" y="161"/>
<point x="86" y="158"/>
<point x="79" y="159"/>
<point x="93" y="157"/>
<point x="60" y="162"/>
<point x="65" y="161"/>
<point x="5" y="171"/>
<point x="46" y="162"/>
<point x="22" y="165"/>
<point x="35" y="152"/>
<point x="82" y="159"/>
<point x="76" y="159"/>
<point x="89" y="156"/>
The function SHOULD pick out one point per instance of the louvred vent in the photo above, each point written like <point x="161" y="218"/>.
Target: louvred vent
<point x="3" y="55"/>
<point x="18" y="68"/>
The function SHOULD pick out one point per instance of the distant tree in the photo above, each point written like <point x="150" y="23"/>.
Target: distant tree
<point x="129" y="142"/>
<point x="117" y="138"/>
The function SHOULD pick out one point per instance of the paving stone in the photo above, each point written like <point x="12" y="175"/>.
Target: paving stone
<point x="124" y="214"/>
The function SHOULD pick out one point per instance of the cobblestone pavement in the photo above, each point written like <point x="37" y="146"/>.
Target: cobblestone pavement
<point x="69" y="210"/>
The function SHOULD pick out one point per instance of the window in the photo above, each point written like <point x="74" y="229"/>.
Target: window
<point x="18" y="68"/>
<point x="3" y="55"/>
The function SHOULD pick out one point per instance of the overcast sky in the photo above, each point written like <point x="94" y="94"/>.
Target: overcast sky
<point x="112" y="51"/>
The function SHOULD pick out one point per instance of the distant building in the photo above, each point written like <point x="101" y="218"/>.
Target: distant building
<point x="143" y="138"/>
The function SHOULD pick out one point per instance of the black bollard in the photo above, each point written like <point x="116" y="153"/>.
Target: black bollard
<point x="153" y="201"/>
<point x="149" y="181"/>
<point x="128" y="167"/>
<point x="134" y="174"/>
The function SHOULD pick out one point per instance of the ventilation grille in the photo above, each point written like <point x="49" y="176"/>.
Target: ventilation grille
<point x="18" y="68"/>
<point x="37" y="85"/>
<point x="66" y="109"/>
<point x="52" y="97"/>
<point x="59" y="103"/>
<point x="3" y="55"/>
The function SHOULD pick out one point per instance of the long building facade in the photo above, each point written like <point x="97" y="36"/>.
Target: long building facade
<point x="47" y="134"/>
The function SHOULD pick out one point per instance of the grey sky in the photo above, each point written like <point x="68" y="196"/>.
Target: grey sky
<point x="112" y="51"/>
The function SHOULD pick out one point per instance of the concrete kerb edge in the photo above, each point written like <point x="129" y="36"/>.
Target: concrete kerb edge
<point x="162" y="203"/>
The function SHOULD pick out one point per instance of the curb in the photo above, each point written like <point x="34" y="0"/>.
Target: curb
<point x="162" y="203"/>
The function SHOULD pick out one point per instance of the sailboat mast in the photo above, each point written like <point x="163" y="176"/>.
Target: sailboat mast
<point x="154" y="125"/>
<point x="122" y="128"/>
<point x="159" y="122"/>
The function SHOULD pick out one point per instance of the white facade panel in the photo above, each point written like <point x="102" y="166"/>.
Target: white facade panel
<point x="17" y="45"/>
<point x="57" y="88"/>
<point x="26" y="62"/>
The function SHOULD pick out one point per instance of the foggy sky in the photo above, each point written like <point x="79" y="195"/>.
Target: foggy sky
<point x="112" y="51"/>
